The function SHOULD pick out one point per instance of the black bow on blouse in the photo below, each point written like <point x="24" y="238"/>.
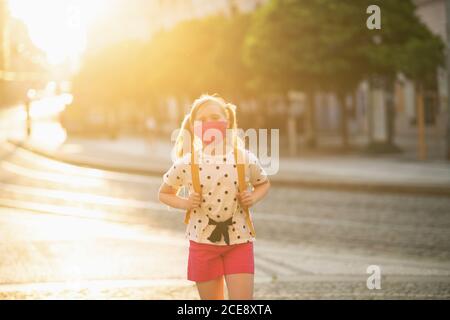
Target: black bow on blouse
<point x="220" y="229"/>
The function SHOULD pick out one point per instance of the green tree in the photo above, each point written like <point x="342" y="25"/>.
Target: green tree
<point x="312" y="45"/>
<point x="193" y="57"/>
<point x="307" y="46"/>
<point x="108" y="79"/>
<point x="200" y="55"/>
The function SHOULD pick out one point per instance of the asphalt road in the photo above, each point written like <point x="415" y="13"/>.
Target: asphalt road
<point x="72" y="232"/>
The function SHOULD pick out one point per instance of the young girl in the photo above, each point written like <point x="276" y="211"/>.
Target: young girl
<point x="219" y="230"/>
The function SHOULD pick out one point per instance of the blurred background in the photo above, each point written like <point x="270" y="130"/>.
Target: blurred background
<point x="91" y="91"/>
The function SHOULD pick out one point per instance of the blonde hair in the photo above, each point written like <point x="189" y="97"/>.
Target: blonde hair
<point x="187" y="124"/>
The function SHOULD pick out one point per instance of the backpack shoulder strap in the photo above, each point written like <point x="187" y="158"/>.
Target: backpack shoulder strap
<point x="195" y="173"/>
<point x="239" y="159"/>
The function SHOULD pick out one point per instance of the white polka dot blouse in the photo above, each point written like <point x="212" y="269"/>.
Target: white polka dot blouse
<point x="219" y="182"/>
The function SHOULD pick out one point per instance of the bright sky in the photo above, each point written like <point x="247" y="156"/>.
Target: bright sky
<point x="58" y="27"/>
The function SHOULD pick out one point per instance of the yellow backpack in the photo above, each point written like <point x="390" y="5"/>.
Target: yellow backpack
<point x="241" y="184"/>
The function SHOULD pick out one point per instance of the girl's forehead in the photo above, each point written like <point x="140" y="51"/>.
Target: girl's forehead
<point x="210" y="108"/>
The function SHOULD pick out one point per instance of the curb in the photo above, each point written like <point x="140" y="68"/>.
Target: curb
<point x="87" y="164"/>
<point x="276" y="181"/>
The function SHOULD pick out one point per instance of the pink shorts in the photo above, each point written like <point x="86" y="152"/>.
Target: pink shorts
<point x="208" y="261"/>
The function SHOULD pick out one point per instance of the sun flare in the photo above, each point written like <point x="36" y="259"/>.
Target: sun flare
<point x="58" y="27"/>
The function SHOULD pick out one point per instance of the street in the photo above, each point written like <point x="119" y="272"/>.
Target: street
<point x="76" y="233"/>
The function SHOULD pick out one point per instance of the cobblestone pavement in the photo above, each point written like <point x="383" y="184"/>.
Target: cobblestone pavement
<point x="71" y="233"/>
<point x="305" y="289"/>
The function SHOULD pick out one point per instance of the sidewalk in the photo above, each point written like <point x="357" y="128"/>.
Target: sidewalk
<point x="349" y="172"/>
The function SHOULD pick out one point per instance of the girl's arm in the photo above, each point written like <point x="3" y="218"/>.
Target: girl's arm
<point x="249" y="198"/>
<point x="168" y="196"/>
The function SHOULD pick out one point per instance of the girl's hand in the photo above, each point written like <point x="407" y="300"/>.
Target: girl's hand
<point x="194" y="201"/>
<point x="246" y="198"/>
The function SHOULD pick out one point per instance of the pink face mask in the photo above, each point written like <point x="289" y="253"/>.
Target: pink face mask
<point x="217" y="132"/>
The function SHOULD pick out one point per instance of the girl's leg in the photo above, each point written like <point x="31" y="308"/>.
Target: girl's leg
<point x="240" y="286"/>
<point x="211" y="290"/>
